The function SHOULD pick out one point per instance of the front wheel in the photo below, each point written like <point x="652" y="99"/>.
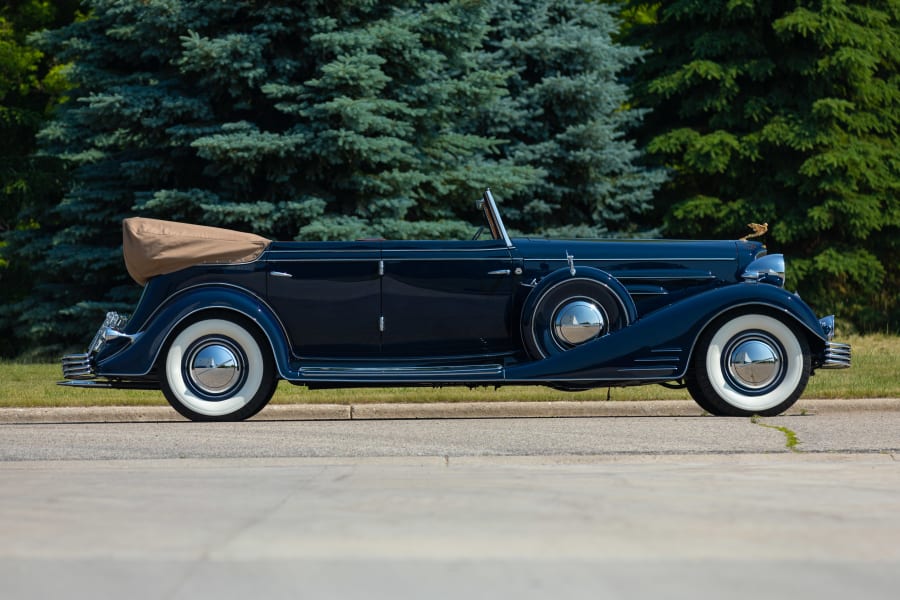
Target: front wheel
<point x="218" y="370"/>
<point x="751" y="364"/>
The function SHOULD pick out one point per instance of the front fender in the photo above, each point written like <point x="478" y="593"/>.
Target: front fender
<point x="138" y="358"/>
<point x="659" y="345"/>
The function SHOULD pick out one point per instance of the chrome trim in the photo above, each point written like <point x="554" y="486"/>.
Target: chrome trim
<point x="620" y="259"/>
<point x="83" y="383"/>
<point x="81" y="366"/>
<point x="395" y="259"/>
<point x="661" y="359"/>
<point x="768" y="269"/>
<point x="661" y="278"/>
<point x="578" y="322"/>
<point x="108" y="334"/>
<point x="500" y="272"/>
<point x="827" y="324"/>
<point x="495" y="212"/>
<point x="571" y="260"/>
<point x="78" y="366"/>
<point x="378" y="372"/>
<point x="373" y="252"/>
<point x="214" y="367"/>
<point x="498" y="248"/>
<point x="836" y="356"/>
<point x="398" y="259"/>
<point x="110" y="384"/>
<point x="280" y="274"/>
<point x="113" y="320"/>
<point x="753" y="361"/>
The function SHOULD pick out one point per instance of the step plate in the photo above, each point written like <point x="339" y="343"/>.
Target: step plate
<point x="402" y="374"/>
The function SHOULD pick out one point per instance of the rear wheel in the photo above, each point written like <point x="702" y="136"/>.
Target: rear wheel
<point x="750" y="364"/>
<point x="218" y="370"/>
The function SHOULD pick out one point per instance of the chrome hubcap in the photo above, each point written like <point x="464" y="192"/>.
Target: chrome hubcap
<point x="754" y="362"/>
<point x="215" y="367"/>
<point x="578" y="322"/>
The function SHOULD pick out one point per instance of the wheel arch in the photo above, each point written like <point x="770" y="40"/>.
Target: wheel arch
<point x="189" y="306"/>
<point x="814" y="339"/>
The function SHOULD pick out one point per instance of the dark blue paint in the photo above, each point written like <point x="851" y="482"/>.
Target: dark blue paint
<point x="447" y="305"/>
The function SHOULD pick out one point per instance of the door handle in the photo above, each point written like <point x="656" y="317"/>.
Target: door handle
<point x="279" y="274"/>
<point x="500" y="272"/>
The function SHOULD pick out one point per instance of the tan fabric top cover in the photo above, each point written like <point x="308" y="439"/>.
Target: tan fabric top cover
<point x="153" y="247"/>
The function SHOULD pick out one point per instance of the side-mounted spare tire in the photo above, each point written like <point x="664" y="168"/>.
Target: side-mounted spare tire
<point x="565" y="311"/>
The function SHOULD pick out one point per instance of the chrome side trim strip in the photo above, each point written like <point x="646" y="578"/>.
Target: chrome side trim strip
<point x="663" y="278"/>
<point x="628" y="259"/>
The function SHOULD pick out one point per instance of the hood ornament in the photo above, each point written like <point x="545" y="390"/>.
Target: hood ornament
<point x="757" y="229"/>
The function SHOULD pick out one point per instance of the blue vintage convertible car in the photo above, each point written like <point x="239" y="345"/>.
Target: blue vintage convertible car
<point x="216" y="337"/>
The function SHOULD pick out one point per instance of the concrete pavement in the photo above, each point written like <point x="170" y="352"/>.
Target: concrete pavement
<point x="648" y="500"/>
<point x="461" y="410"/>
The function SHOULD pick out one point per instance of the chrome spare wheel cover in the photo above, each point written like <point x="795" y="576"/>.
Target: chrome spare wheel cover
<point x="578" y="322"/>
<point x="215" y="367"/>
<point x="754" y="361"/>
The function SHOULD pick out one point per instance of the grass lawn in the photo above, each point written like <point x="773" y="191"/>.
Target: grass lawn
<point x="875" y="374"/>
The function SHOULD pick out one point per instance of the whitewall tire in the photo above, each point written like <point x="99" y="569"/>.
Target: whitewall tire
<point x="750" y="364"/>
<point x="218" y="370"/>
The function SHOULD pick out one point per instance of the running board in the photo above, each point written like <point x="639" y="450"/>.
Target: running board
<point x="402" y="374"/>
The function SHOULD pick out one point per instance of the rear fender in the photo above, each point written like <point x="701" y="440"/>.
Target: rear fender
<point x="138" y="358"/>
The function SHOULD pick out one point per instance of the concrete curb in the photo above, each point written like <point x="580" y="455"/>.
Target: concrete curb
<point x="462" y="410"/>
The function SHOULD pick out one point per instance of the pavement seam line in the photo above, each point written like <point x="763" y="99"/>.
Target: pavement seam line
<point x="791" y="439"/>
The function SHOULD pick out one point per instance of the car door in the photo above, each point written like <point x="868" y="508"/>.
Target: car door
<point x="328" y="297"/>
<point x="446" y="299"/>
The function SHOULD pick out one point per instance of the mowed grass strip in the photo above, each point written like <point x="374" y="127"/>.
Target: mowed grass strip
<point x="876" y="364"/>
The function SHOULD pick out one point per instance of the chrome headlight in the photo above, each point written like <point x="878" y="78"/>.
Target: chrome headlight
<point x="768" y="269"/>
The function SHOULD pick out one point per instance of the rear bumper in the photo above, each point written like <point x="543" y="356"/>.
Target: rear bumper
<point x="80" y="367"/>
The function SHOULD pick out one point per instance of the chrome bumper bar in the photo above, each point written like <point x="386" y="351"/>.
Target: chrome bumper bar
<point x="836" y="356"/>
<point x="78" y="366"/>
<point x="81" y="366"/>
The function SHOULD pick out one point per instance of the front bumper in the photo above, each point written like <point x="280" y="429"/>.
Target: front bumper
<point x="82" y="366"/>
<point x="835" y="355"/>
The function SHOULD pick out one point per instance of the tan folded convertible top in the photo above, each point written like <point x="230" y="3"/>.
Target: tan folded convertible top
<point x="153" y="247"/>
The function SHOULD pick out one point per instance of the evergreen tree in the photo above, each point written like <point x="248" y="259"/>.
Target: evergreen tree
<point x="785" y="112"/>
<point x="30" y="85"/>
<point x="317" y="120"/>
<point x="568" y="114"/>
